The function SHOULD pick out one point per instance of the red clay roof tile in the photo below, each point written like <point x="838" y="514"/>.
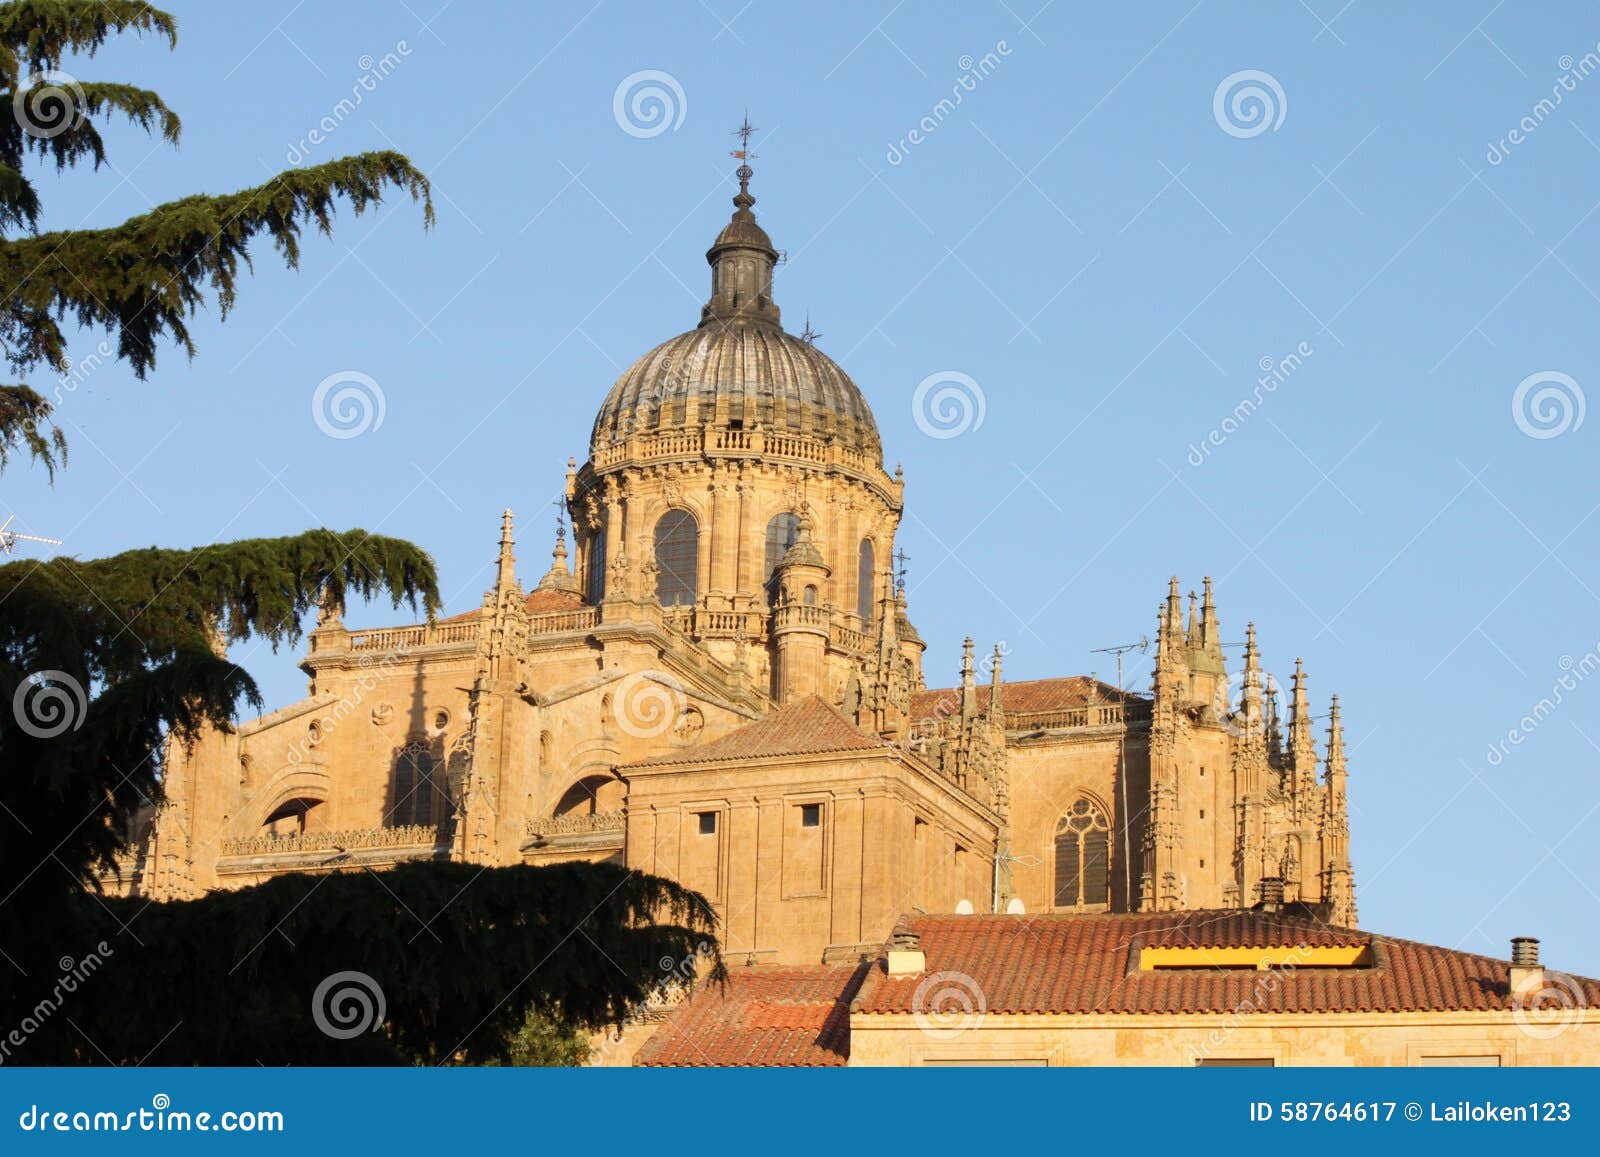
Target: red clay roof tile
<point x="764" y="1016"/>
<point x="1088" y="964"/>
<point x="807" y="727"/>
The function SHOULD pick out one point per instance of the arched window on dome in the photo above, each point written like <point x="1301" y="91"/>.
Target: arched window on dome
<point x="866" y="579"/>
<point x="781" y="534"/>
<point x="596" y="578"/>
<point x="677" y="558"/>
<point x="1083" y="857"/>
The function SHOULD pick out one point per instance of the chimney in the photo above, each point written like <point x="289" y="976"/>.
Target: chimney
<point x="1527" y="974"/>
<point x="1271" y="893"/>
<point x="906" y="957"/>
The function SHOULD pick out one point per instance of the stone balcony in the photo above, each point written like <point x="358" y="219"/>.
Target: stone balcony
<point x="304" y="851"/>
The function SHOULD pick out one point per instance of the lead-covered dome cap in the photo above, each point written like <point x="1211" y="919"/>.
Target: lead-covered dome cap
<point x="738" y="369"/>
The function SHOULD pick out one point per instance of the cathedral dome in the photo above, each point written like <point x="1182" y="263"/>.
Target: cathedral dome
<point x="739" y="370"/>
<point x="738" y="376"/>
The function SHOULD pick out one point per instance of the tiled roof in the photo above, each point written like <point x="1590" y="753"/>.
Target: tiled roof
<point x="764" y="1016"/>
<point x="807" y="727"/>
<point x="1089" y="964"/>
<point x="539" y="602"/>
<point x="1029" y="697"/>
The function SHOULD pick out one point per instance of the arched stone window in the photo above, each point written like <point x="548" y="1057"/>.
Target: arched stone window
<point x="677" y="558"/>
<point x="781" y="533"/>
<point x="866" y="578"/>
<point x="596" y="579"/>
<point x="1083" y="857"/>
<point x="414" y="788"/>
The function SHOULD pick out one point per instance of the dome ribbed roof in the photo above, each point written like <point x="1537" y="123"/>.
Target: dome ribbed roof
<point x="738" y="374"/>
<point x="739" y="369"/>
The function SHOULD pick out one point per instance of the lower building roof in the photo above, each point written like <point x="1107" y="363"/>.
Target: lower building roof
<point x="762" y="1016"/>
<point x="1255" y="961"/>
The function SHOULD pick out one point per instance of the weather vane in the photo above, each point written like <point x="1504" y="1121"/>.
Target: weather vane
<point x="743" y="132"/>
<point x="9" y="538"/>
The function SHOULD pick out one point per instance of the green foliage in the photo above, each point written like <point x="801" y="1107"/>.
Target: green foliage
<point x="136" y="632"/>
<point x="546" y="1041"/>
<point x="141" y="280"/>
<point x="501" y="965"/>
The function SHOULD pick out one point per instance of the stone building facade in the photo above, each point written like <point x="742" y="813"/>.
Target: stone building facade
<point x="718" y="680"/>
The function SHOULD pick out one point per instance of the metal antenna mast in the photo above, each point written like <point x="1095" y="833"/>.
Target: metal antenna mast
<point x="9" y="538"/>
<point x="1120" y="650"/>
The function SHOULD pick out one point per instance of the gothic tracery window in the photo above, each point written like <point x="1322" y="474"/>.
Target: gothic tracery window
<point x="414" y="788"/>
<point x="677" y="558"/>
<point x="1083" y="857"/>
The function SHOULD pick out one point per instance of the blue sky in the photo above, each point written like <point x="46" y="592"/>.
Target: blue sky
<point x="1107" y="257"/>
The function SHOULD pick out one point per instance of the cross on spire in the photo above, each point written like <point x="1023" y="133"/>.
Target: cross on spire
<point x="743" y="154"/>
<point x="901" y="558"/>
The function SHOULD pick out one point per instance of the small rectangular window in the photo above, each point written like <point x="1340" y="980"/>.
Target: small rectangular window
<point x="811" y="815"/>
<point x="708" y="823"/>
<point x="1235" y="1063"/>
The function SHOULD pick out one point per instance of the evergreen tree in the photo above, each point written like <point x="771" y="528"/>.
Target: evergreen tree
<point x="100" y="660"/>
<point x="103" y="662"/>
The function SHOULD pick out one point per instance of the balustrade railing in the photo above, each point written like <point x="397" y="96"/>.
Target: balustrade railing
<point x="411" y="835"/>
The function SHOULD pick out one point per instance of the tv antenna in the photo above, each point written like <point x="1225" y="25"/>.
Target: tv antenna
<point x="9" y="538"/>
<point x="1119" y="650"/>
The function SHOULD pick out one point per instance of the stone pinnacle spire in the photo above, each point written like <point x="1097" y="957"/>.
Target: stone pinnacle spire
<point x="507" y="573"/>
